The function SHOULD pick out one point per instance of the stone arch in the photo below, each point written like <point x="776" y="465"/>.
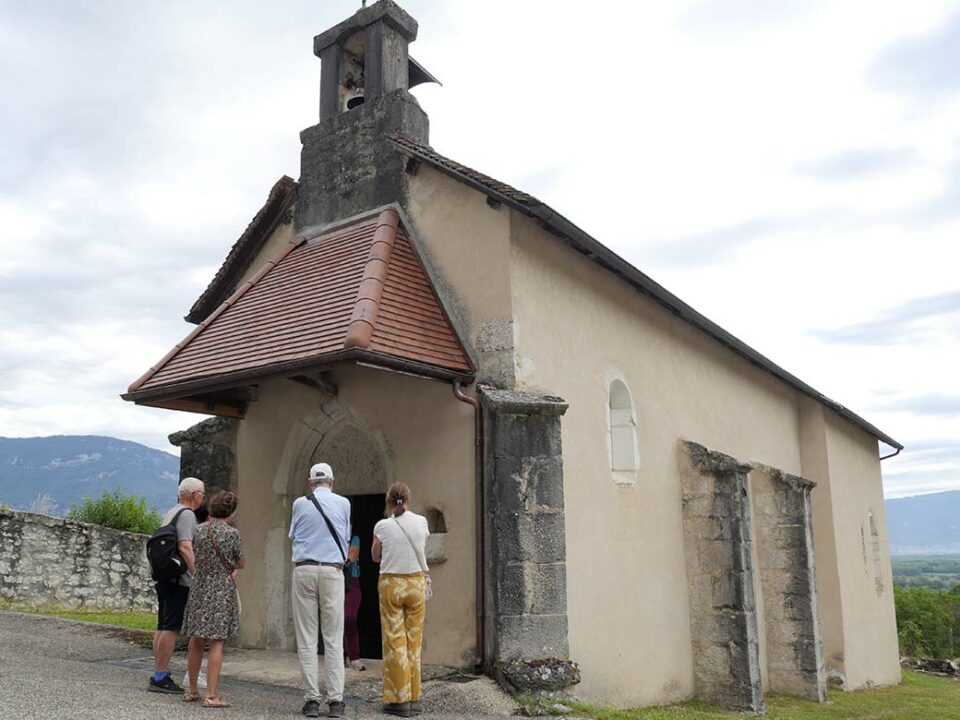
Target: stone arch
<point x="362" y="463"/>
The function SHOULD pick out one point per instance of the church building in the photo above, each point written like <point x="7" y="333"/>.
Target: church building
<point x="619" y="491"/>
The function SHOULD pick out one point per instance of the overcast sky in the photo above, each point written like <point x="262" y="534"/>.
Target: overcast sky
<point x="791" y="169"/>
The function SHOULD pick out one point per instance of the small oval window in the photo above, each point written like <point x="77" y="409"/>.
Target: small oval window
<point x="623" y="430"/>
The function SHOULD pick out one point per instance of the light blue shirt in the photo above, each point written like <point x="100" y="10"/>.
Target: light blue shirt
<point x="309" y="533"/>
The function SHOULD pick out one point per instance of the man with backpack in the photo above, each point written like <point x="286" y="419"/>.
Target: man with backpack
<point x="172" y="567"/>
<point x="320" y="531"/>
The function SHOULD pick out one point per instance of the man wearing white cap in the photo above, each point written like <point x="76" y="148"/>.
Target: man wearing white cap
<point x="320" y="531"/>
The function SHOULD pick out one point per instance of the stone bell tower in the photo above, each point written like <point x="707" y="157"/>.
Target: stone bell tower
<point x="347" y="164"/>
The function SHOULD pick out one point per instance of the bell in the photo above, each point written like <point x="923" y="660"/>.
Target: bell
<point x="355" y="99"/>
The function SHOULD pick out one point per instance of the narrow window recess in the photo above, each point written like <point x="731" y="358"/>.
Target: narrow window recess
<point x="623" y="455"/>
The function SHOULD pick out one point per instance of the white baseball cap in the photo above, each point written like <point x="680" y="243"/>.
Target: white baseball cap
<point x="321" y="471"/>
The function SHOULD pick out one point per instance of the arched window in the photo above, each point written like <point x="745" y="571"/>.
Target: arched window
<point x="624" y="459"/>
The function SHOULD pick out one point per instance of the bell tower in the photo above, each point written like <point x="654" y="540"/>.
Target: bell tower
<point x="347" y="164"/>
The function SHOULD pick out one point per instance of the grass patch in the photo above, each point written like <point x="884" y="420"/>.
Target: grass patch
<point x="918" y="697"/>
<point x="130" y="619"/>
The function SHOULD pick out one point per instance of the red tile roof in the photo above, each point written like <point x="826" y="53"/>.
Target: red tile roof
<point x="300" y="309"/>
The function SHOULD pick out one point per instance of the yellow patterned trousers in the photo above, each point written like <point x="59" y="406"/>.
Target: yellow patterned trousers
<point x="402" y="608"/>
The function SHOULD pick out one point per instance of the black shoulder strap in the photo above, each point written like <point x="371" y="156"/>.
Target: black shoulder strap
<point x="176" y="517"/>
<point x="333" y="533"/>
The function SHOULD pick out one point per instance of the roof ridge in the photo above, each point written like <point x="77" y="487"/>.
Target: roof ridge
<point x="363" y="321"/>
<point x="291" y="245"/>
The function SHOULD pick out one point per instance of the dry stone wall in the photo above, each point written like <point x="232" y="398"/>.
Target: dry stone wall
<point x="52" y="562"/>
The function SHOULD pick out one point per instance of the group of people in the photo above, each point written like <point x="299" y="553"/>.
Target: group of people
<point x="203" y="603"/>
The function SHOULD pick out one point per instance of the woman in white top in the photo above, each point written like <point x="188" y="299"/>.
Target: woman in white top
<point x="399" y="545"/>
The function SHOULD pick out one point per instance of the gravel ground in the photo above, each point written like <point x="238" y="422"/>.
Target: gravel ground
<point x="58" y="668"/>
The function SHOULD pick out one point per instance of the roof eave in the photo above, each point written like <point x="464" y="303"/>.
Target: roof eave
<point x="281" y="197"/>
<point x="603" y="256"/>
<point x="367" y="358"/>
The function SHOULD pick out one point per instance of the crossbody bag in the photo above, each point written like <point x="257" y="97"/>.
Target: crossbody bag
<point x="420" y="561"/>
<point x="226" y="566"/>
<point x="336" y="540"/>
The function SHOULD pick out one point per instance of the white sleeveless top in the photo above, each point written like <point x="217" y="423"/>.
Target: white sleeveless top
<point x="398" y="557"/>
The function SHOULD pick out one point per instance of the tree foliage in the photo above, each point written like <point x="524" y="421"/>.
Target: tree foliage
<point x="117" y="510"/>
<point x="928" y="621"/>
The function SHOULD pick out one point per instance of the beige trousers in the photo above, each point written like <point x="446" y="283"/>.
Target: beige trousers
<point x="318" y="592"/>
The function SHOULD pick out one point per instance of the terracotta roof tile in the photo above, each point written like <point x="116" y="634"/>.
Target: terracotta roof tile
<point x="299" y="308"/>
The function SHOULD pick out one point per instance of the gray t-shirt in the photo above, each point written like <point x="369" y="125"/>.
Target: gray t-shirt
<point x="186" y="529"/>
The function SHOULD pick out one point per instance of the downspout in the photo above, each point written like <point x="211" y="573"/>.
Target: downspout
<point x="893" y="454"/>
<point x="479" y="583"/>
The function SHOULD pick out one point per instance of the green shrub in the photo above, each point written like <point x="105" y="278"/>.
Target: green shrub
<point x="117" y="510"/>
<point x="927" y="621"/>
<point x="5" y="507"/>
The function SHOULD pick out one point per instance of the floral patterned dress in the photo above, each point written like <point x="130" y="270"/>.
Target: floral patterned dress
<point x="213" y="608"/>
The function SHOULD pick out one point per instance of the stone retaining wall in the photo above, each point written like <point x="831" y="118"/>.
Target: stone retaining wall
<point x="53" y="562"/>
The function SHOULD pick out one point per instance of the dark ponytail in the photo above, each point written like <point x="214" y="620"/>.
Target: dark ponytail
<point x="397" y="497"/>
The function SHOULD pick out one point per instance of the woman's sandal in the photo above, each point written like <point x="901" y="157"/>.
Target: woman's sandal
<point x="215" y="702"/>
<point x="190" y="696"/>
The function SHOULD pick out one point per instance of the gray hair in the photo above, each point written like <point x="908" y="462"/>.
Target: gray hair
<point x="190" y="485"/>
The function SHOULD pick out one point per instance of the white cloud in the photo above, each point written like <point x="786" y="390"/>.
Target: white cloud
<point x="774" y="149"/>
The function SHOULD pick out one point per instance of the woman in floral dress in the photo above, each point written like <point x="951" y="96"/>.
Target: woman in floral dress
<point x="213" y="608"/>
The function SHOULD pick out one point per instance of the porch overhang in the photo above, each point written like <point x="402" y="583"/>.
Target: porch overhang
<point x="229" y="395"/>
<point x="355" y="295"/>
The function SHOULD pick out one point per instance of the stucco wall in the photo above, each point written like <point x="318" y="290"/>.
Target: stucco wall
<point x="466" y="244"/>
<point x="427" y="439"/>
<point x="280" y="236"/>
<point x="870" y="653"/>
<point x="578" y="327"/>
<point x="49" y="561"/>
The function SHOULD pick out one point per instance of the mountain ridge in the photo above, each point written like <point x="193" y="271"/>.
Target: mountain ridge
<point x="71" y="467"/>
<point x="924" y="524"/>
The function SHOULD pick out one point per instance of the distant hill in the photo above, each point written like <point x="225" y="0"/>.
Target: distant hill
<point x="69" y="467"/>
<point x="924" y="524"/>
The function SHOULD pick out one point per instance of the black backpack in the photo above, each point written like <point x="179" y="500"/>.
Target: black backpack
<point x="162" y="553"/>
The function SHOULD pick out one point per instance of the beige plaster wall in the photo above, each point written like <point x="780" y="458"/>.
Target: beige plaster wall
<point x="816" y="466"/>
<point x="466" y="244"/>
<point x="281" y="235"/>
<point x="870" y="653"/>
<point x="577" y="327"/>
<point x="434" y="455"/>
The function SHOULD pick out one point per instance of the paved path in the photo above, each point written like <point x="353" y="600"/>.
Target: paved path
<point x="52" y="668"/>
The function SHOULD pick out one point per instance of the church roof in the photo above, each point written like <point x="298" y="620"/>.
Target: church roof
<point x="583" y="243"/>
<point x="358" y="293"/>
<point x="275" y="211"/>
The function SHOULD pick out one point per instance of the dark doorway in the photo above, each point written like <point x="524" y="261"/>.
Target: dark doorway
<point x="365" y="512"/>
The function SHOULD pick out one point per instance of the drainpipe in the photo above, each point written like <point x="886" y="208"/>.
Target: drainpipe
<point x="478" y="521"/>
<point x="893" y="454"/>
